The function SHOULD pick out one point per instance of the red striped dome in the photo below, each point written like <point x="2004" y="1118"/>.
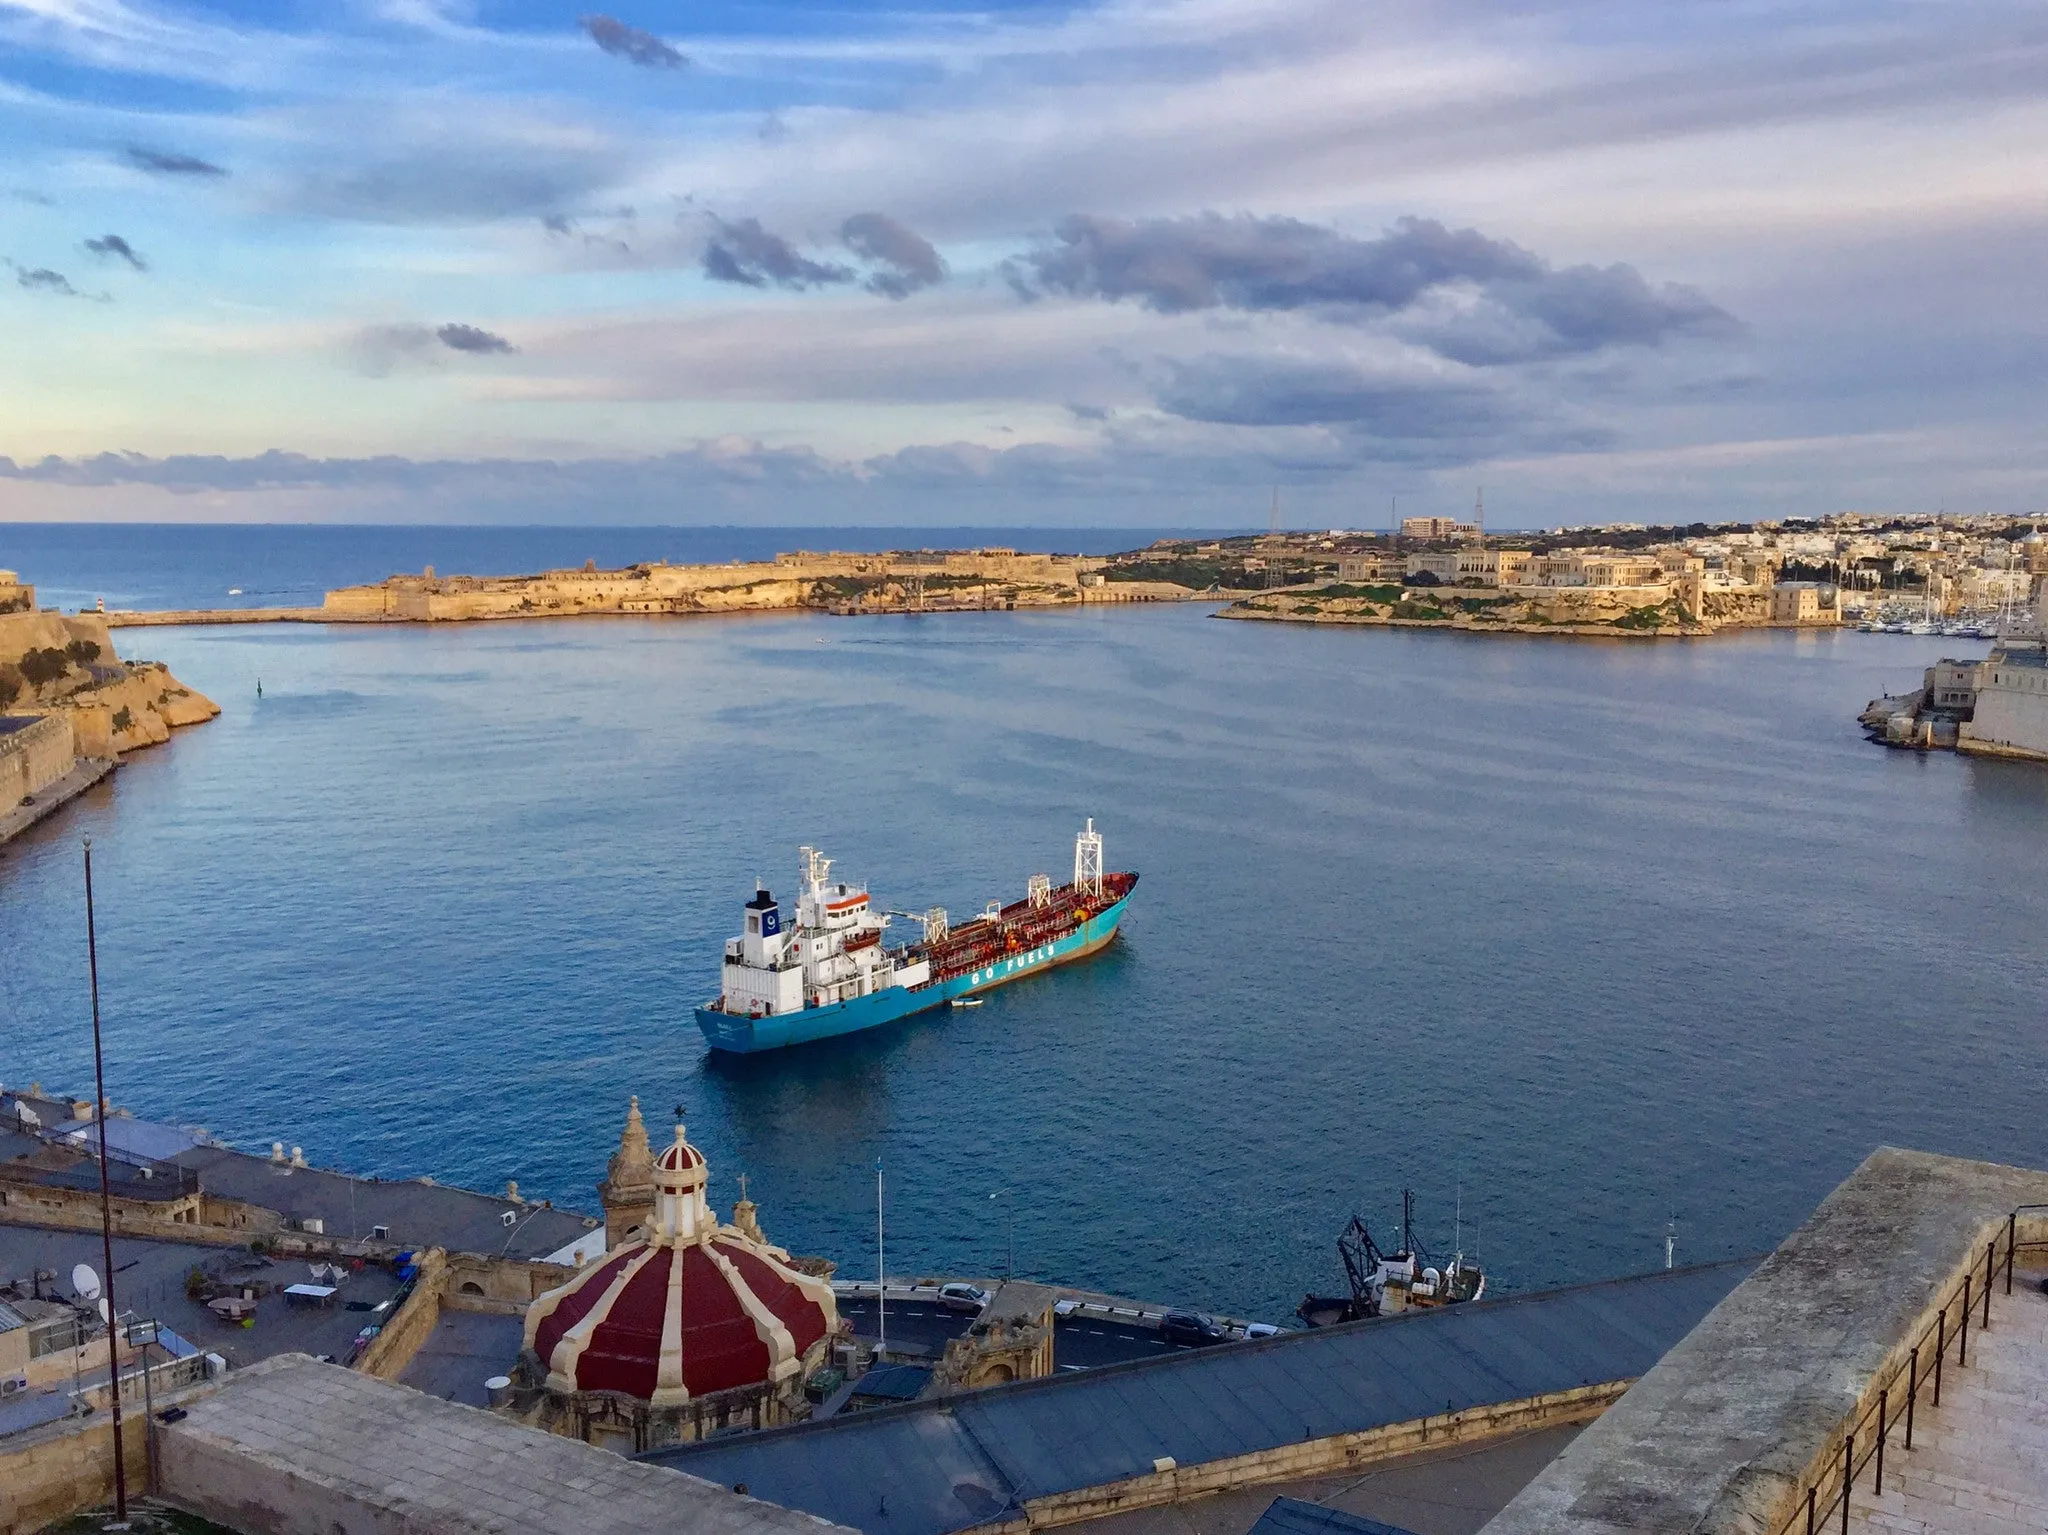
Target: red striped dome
<point x="694" y="1308"/>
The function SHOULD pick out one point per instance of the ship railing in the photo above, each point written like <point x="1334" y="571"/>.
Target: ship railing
<point x="1826" y="1498"/>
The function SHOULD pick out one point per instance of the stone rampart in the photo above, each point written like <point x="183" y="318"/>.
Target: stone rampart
<point x="411" y="1324"/>
<point x="63" y="1468"/>
<point x="35" y="756"/>
<point x="795" y="580"/>
<point x="1725" y="1433"/>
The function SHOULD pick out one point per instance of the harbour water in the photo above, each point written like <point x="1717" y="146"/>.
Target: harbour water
<point x="1571" y="937"/>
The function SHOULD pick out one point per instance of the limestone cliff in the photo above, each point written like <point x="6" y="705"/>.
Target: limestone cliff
<point x="53" y="664"/>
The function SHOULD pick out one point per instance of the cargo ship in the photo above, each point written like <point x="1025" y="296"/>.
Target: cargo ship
<point x="831" y="973"/>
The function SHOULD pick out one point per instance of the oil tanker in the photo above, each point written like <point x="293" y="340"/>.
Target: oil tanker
<point x="830" y="973"/>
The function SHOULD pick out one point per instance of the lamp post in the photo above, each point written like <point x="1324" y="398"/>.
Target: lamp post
<point x="99" y="1078"/>
<point x="1010" y="1249"/>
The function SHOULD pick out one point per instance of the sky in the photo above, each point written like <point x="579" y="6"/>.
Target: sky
<point x="1142" y="262"/>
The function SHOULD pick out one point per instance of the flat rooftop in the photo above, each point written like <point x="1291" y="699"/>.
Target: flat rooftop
<point x="417" y="1213"/>
<point x="296" y="1447"/>
<point x="149" y="1279"/>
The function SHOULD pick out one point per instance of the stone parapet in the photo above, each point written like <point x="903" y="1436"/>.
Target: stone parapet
<point x="1724" y="1435"/>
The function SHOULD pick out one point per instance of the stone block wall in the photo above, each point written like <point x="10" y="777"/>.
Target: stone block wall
<point x="34" y="757"/>
<point x="58" y="1470"/>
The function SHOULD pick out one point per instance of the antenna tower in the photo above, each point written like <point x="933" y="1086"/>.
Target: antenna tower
<point x="1088" y="860"/>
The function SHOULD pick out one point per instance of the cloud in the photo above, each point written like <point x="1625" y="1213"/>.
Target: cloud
<point x="558" y="224"/>
<point x="741" y="251"/>
<point x="1209" y="261"/>
<point x="470" y="338"/>
<point x="379" y="350"/>
<point x="909" y="260"/>
<point x="41" y="279"/>
<point x="159" y="163"/>
<point x="630" y="43"/>
<point x="1299" y="391"/>
<point x="430" y="163"/>
<point x="113" y="246"/>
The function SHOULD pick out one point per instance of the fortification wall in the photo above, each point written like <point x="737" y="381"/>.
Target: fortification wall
<point x="55" y="1471"/>
<point x="34" y="757"/>
<point x="2008" y="722"/>
<point x="789" y="581"/>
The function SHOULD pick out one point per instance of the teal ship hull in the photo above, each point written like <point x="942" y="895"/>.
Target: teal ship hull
<point x="737" y="1034"/>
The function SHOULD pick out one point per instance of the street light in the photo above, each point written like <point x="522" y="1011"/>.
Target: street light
<point x="1010" y="1253"/>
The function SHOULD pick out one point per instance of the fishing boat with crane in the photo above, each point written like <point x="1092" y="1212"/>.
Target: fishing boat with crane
<point x="831" y="973"/>
<point x="1383" y="1283"/>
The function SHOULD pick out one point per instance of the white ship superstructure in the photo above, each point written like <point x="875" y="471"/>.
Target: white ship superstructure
<point x="834" y="953"/>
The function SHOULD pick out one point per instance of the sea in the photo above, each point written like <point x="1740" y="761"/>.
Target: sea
<point x="1589" y="944"/>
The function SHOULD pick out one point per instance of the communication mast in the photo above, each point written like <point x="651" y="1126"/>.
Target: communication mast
<point x="1088" y="860"/>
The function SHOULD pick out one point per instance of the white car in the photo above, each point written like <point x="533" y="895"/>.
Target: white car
<point x="961" y="1296"/>
<point x="1261" y="1330"/>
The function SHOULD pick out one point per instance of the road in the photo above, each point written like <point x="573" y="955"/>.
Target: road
<point x="1086" y="1342"/>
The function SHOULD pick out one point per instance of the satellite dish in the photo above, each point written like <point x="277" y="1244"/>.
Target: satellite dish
<point x="85" y="1282"/>
<point x="106" y="1315"/>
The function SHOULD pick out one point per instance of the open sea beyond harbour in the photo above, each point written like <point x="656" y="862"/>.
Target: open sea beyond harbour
<point x="1574" y="938"/>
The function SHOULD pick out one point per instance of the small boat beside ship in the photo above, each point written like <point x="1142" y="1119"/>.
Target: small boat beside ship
<point x="1383" y="1283"/>
<point x="832" y="974"/>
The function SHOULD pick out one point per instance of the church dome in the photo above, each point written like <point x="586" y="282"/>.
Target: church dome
<point x="691" y="1309"/>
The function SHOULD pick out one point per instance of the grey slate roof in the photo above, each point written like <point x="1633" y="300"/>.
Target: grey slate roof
<point x="419" y="1214"/>
<point x="1292" y="1516"/>
<point x="933" y="1467"/>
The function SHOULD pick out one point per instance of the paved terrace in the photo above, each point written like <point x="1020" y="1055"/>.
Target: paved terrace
<point x="296" y="1447"/>
<point x="1270" y="1411"/>
<point x="1725" y="1434"/>
<point x="1979" y="1463"/>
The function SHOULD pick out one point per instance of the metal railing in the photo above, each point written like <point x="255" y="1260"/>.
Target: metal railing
<point x="1827" y="1499"/>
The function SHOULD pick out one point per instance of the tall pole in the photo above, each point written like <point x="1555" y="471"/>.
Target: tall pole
<point x="881" y="1274"/>
<point x="99" y="1077"/>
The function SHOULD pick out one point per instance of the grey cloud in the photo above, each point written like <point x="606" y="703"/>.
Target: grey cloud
<point x="908" y="258"/>
<point x="159" y="163"/>
<point x="26" y="195"/>
<point x="1242" y="262"/>
<point x="630" y="43"/>
<point x="741" y="251"/>
<point x="472" y="338"/>
<point x="1210" y="261"/>
<point x="41" y="279"/>
<point x="457" y="180"/>
<point x="558" y="224"/>
<point x="1083" y="412"/>
<point x="1385" y="417"/>
<point x="1273" y="391"/>
<point x="113" y="246"/>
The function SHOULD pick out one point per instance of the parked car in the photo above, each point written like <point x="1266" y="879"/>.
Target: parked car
<point x="961" y="1296"/>
<point x="1193" y="1328"/>
<point x="1262" y="1330"/>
